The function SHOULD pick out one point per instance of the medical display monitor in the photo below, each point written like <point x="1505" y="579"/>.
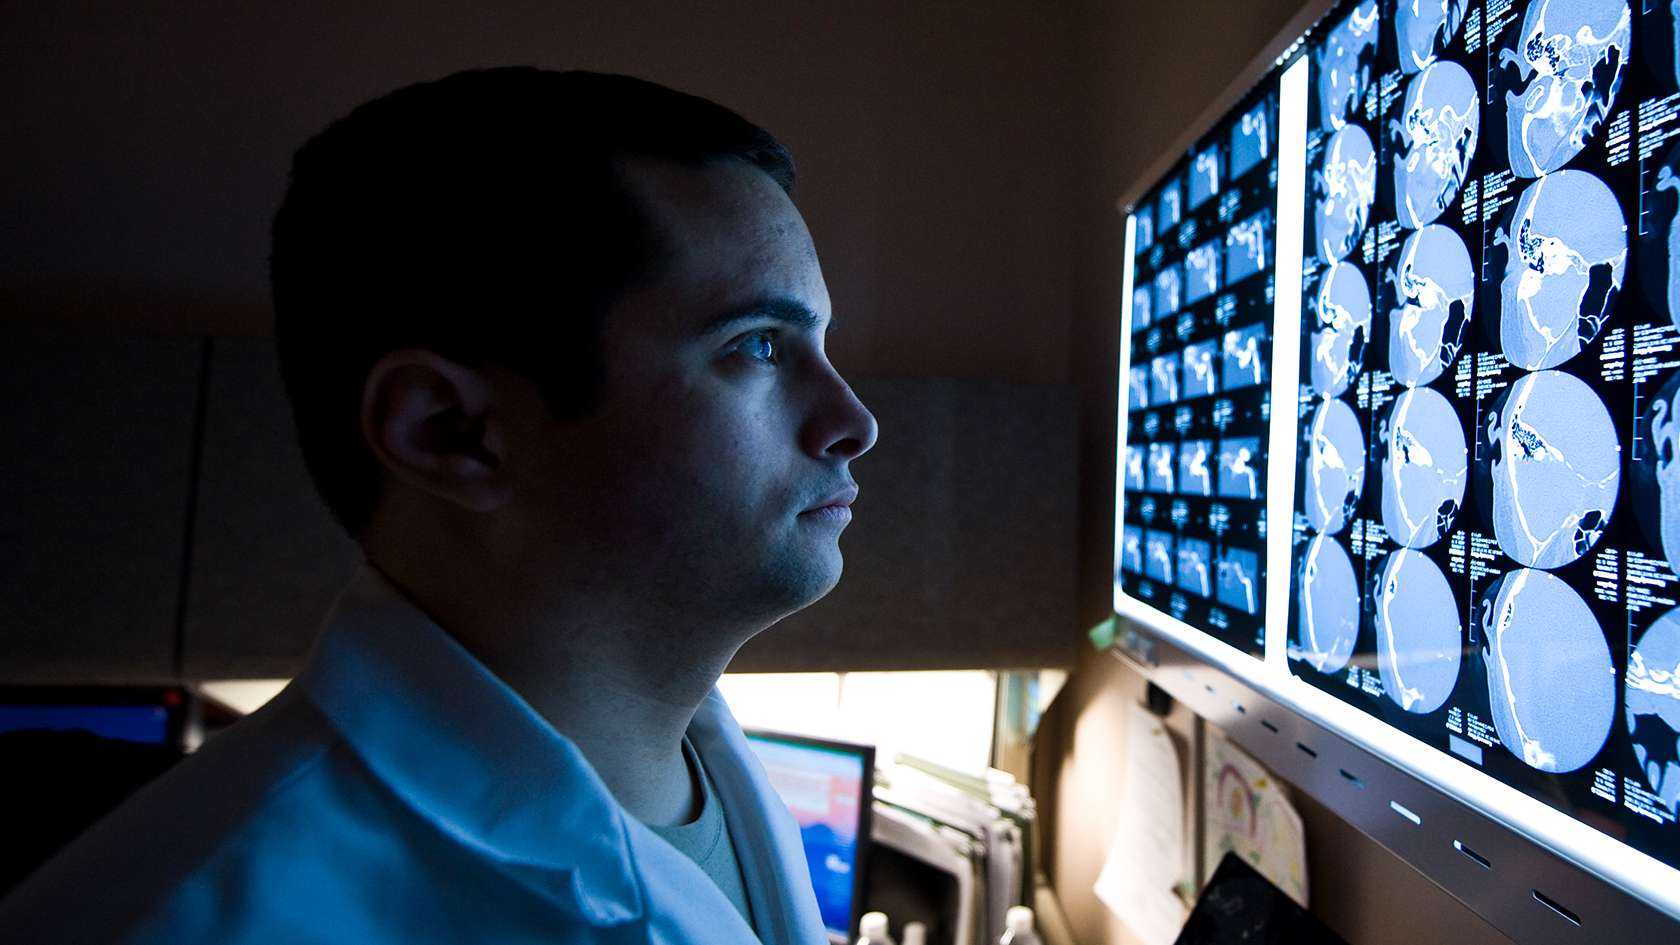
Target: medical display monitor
<point x="1476" y="337"/>
<point x="828" y="787"/>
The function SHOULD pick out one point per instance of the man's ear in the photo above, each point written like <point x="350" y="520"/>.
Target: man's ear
<point x="428" y="421"/>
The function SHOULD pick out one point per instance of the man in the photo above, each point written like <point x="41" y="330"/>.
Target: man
<point x="554" y="343"/>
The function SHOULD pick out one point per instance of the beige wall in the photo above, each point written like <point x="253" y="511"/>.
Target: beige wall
<point x="147" y="145"/>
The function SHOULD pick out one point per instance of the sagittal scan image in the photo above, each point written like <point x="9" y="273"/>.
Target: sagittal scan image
<point x="1172" y="206"/>
<point x="1204" y="176"/>
<point x="1653" y="708"/>
<point x="1195" y="467"/>
<point x="1423" y="28"/>
<point x="1160" y="473"/>
<point x="1251" y="139"/>
<point x="1239" y="580"/>
<point x="1328" y="626"/>
<point x="1344" y="65"/>
<point x="1344" y="187"/>
<point x="1131" y="549"/>
<point x="1169" y="292"/>
<point x="1244" y="357"/>
<point x="1436" y="137"/>
<point x="1201" y="272"/>
<point x="1335" y="466"/>
<point x="1660" y="239"/>
<point x="1245" y="247"/>
<point x="1553" y="465"/>
<point x="1341" y="318"/>
<point x="1425" y="467"/>
<point x="1195" y="566"/>
<point x="1158" y="555"/>
<point x="1137" y="387"/>
<point x="1551" y="684"/>
<point x="1142" y="308"/>
<point x="1145" y="228"/>
<point x="1200" y="377"/>
<point x="1566" y="245"/>
<point x="1419" y="638"/>
<point x="1136" y="456"/>
<point x="1239" y="468"/>
<point x="1663" y="466"/>
<point x="1569" y="57"/>
<point x="1435" y="288"/>
<point x="1163" y="379"/>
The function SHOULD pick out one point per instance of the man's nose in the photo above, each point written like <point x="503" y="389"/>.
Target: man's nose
<point x="841" y="428"/>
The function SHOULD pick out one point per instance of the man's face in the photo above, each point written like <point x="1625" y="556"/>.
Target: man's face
<point x="713" y="480"/>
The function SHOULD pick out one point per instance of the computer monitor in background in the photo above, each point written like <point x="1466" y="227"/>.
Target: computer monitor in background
<point x="827" y="786"/>
<point x="148" y="715"/>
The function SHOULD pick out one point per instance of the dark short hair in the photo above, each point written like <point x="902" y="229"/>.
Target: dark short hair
<point x="483" y="216"/>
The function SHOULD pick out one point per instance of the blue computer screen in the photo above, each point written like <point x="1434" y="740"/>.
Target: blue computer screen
<point x="824" y="788"/>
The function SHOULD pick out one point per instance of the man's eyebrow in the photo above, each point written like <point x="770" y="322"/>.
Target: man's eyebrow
<point x="788" y="311"/>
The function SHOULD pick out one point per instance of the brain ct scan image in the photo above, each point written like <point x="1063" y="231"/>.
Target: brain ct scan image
<point x="1239" y="580"/>
<point x="1341" y="312"/>
<point x="1663" y="422"/>
<point x="1335" y="466"/>
<point x="1419" y="639"/>
<point x="1553" y="463"/>
<point x="1251" y="139"/>
<point x="1160" y="473"/>
<point x="1172" y="206"/>
<point x="1653" y="708"/>
<point x="1195" y="467"/>
<point x="1239" y="468"/>
<point x="1435" y="288"/>
<point x="1158" y="555"/>
<point x="1142" y="306"/>
<point x="1566" y="244"/>
<point x="1169" y="287"/>
<point x="1550" y="680"/>
<point x="1200" y="378"/>
<point x="1135" y="458"/>
<point x="1131" y="549"/>
<point x="1145" y="234"/>
<point x="1328" y="626"/>
<point x="1438" y="128"/>
<point x="1423" y="29"/>
<point x="1137" y="387"/>
<point x="1201" y="272"/>
<point x="1204" y="176"/>
<point x="1662" y="275"/>
<point x="1569" y="59"/>
<point x="1195" y="566"/>
<point x="1245" y="248"/>
<point x="1425" y="466"/>
<point x="1344" y="187"/>
<point x="1344" y="65"/>
<point x="1244" y="357"/>
<point x="1163" y="379"/>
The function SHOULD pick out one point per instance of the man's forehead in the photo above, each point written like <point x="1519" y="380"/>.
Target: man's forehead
<point x="729" y="237"/>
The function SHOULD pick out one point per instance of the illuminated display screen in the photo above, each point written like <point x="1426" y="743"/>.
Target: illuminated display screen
<point x="1479" y="377"/>
<point x="1193" y="532"/>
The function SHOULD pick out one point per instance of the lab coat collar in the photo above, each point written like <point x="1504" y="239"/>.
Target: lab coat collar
<point x="470" y="756"/>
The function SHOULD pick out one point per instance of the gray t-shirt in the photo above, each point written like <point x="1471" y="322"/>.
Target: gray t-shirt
<point x="706" y="841"/>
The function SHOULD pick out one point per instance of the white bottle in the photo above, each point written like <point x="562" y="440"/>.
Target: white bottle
<point x="872" y="929"/>
<point x="1018" y="927"/>
<point x="915" y="933"/>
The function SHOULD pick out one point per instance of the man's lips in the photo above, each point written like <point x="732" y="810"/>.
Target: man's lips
<point x="835" y="503"/>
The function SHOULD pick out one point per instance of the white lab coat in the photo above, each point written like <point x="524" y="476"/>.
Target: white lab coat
<point x="397" y="791"/>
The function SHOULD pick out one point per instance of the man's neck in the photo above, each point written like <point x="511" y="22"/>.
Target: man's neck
<point x="623" y="694"/>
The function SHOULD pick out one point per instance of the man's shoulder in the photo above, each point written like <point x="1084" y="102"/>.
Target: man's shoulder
<point x="186" y="825"/>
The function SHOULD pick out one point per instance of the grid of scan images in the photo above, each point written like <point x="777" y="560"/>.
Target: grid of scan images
<point x="1192" y="541"/>
<point x="1488" y="499"/>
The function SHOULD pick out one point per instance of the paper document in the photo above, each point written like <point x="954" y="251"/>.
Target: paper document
<point x="1146" y="857"/>
<point x="1248" y="812"/>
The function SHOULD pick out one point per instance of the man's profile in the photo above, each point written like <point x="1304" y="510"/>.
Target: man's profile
<point x="555" y="349"/>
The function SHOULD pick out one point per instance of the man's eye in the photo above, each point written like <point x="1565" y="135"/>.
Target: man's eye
<point x="759" y="346"/>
